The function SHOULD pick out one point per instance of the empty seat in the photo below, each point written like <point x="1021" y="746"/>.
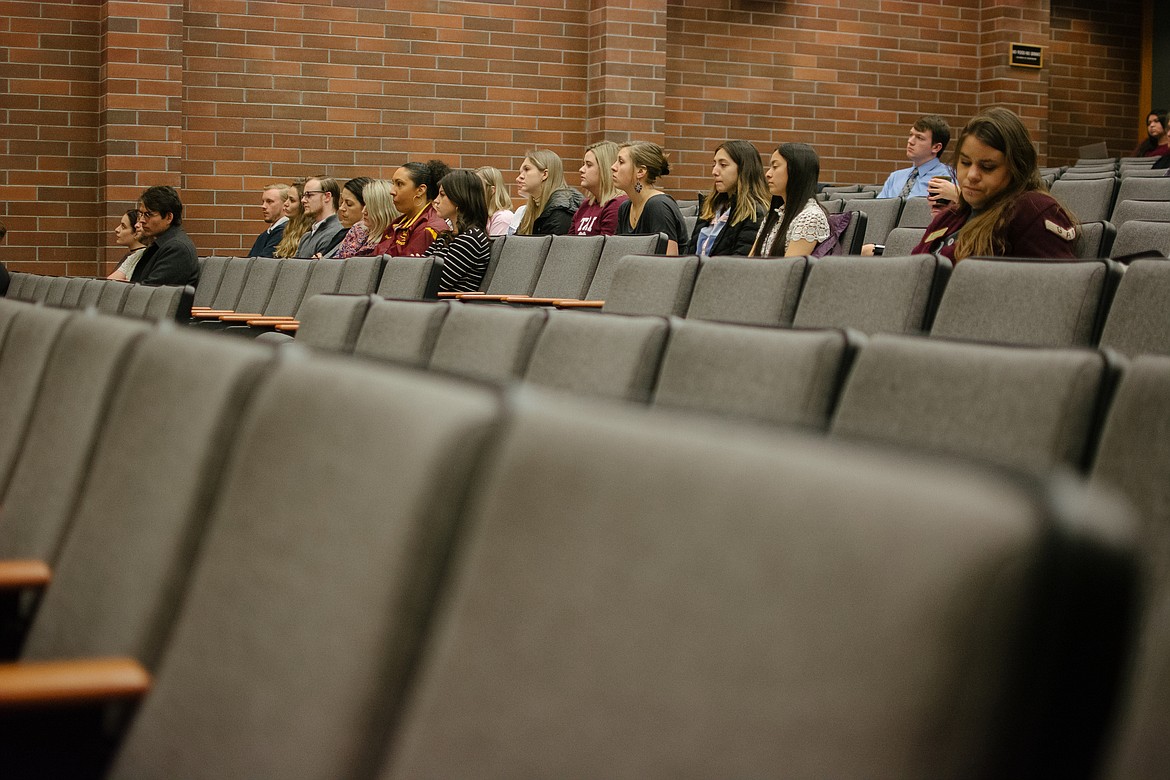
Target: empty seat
<point x="1056" y="304"/>
<point x="56" y="292"/>
<point x="1138" y="236"/>
<point x="288" y="289"/>
<point x="901" y="241"/>
<point x="519" y="265"/>
<point x="71" y="298"/>
<point x="771" y="375"/>
<point x="16" y="282"/>
<point x="607" y="356"/>
<point x="323" y="279"/>
<point x="569" y="266"/>
<point x="752" y="290"/>
<point x="837" y="189"/>
<point x="401" y="331"/>
<point x="1138" y="322"/>
<point x="361" y="275"/>
<point x="170" y="302"/>
<point x="1032" y="409"/>
<point x="231" y="285"/>
<point x="332" y="322"/>
<point x="137" y="299"/>
<point x="1147" y="210"/>
<point x="112" y="297"/>
<point x="881" y="217"/>
<point x="1095" y="239"/>
<point x="257" y="288"/>
<point x="872" y="294"/>
<point x="211" y="273"/>
<point x="612" y="251"/>
<point x="1089" y="201"/>
<point x="487" y="342"/>
<point x="411" y="278"/>
<point x="915" y="213"/>
<point x="652" y="285"/>
<point x="852" y="239"/>
<point x="40" y="290"/>
<point x="1133" y="188"/>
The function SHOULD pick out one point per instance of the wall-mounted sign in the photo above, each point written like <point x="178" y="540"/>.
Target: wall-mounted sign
<point x="1025" y="55"/>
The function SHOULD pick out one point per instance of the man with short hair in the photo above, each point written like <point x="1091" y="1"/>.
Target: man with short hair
<point x="172" y="258"/>
<point x="319" y="200"/>
<point x="928" y="138"/>
<point x="272" y="209"/>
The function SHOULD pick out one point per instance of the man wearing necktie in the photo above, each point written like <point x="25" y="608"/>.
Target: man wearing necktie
<point x="928" y="138"/>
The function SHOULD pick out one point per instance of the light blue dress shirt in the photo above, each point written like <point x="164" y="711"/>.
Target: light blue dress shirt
<point x="932" y="167"/>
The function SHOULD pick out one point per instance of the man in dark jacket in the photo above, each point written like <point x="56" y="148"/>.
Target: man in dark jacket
<point x="172" y="258"/>
<point x="271" y="204"/>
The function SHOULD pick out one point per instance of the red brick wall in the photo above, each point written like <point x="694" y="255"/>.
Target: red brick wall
<point x="221" y="97"/>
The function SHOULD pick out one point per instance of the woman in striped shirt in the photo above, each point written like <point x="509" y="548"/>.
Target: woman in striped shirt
<point x="464" y="248"/>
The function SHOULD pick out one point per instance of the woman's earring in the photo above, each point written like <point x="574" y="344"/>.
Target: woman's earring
<point x="638" y="186"/>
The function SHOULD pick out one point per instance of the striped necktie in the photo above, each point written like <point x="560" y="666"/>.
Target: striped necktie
<point x="910" y="183"/>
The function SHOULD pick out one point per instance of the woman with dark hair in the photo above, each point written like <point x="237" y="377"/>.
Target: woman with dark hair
<point x="299" y="222"/>
<point x="649" y="210"/>
<point x="549" y="203"/>
<point x="465" y="250"/>
<point x="126" y="235"/>
<point x="1003" y="207"/>
<point x="598" y="214"/>
<point x="738" y="201"/>
<point x="1157" y="142"/>
<point x="797" y="222"/>
<point x="413" y="187"/>
<point x="350" y="208"/>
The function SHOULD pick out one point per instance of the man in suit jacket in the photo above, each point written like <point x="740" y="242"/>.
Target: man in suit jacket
<point x="272" y="206"/>
<point x="319" y="200"/>
<point x="172" y="258"/>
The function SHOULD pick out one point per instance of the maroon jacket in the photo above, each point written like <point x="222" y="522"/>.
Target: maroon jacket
<point x="1036" y="227"/>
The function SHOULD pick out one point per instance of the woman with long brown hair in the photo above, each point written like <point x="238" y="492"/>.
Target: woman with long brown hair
<point x="299" y="222"/>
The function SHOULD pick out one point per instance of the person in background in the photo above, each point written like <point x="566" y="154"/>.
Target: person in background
<point x="413" y="187"/>
<point x="649" y="210"/>
<point x="928" y="139"/>
<point x="126" y="235"/>
<point x="549" y="202"/>
<point x="737" y="203"/>
<point x="500" y="212"/>
<point x="465" y="249"/>
<point x="796" y="222"/>
<point x="1003" y="207"/>
<point x="351" y="214"/>
<point x="379" y="214"/>
<point x="598" y="214"/>
<point x="298" y="221"/>
<point x="1157" y="143"/>
<point x="171" y="257"/>
<point x="319" y="200"/>
<point x="272" y="210"/>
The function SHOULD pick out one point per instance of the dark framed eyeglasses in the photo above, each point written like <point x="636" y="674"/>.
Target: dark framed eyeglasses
<point x="144" y="214"/>
<point x="309" y="193"/>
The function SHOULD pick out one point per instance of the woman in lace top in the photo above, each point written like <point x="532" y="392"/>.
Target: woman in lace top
<point x="792" y="179"/>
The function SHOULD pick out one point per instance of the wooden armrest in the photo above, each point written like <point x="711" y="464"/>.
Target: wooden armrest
<point x="530" y="299"/>
<point x="288" y="327"/>
<point x="31" y="683"/>
<point x="24" y="574"/>
<point x="237" y="317"/>
<point x="578" y="304"/>
<point x="200" y="308"/>
<point x="211" y="314"/>
<point x="450" y="294"/>
<point x="271" y="321"/>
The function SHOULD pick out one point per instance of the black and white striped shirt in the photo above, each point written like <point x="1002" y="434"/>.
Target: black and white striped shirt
<point x="465" y="260"/>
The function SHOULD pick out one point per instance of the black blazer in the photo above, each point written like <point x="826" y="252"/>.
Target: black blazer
<point x="735" y="238"/>
<point x="171" y="259"/>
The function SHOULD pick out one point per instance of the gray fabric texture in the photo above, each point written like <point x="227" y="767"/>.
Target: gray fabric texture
<point x="497" y="248"/>
<point x="323" y="280"/>
<point x="900" y="241"/>
<point x="1009" y="302"/>
<point x="1091" y="239"/>
<point x="648" y="284"/>
<point x="361" y="275"/>
<point x="1148" y="210"/>
<point x="164" y="303"/>
<point x="882" y="216"/>
<point x="211" y="272"/>
<point x="568" y="269"/>
<point x="1139" y="318"/>
<point x="871" y="294"/>
<point x="332" y="322"/>
<point x="90" y="293"/>
<point x="750" y="290"/>
<point x="262" y="276"/>
<point x="1141" y="236"/>
<point x="288" y="289"/>
<point x="16" y="281"/>
<point x="915" y="213"/>
<point x="56" y="293"/>
<point x="519" y="265"/>
<point x="614" y="249"/>
<point x="1135" y="188"/>
<point x="401" y="331"/>
<point x="487" y="342"/>
<point x="405" y="277"/>
<point x="231" y="287"/>
<point x="41" y="289"/>
<point x="1090" y="200"/>
<point x="1032" y="409"/>
<point x="137" y="299"/>
<point x="112" y="297"/>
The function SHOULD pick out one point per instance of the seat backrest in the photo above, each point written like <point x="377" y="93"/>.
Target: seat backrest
<point x="410" y="278"/>
<point x="56" y="292"/>
<point x="519" y="265"/>
<point x="1032" y="409"/>
<point x="1090" y="201"/>
<point x="1139" y="320"/>
<point x="1057" y="304"/>
<point x="497" y="248"/>
<point x="487" y="342"/>
<point x="137" y="299"/>
<point x="882" y="217"/>
<point x="1134" y="188"/>
<point x="112" y="297"/>
<point x="643" y="595"/>
<point x="40" y="290"/>
<point x="901" y="241"/>
<point x="750" y="290"/>
<point x="859" y="195"/>
<point x="231" y="286"/>
<point x="90" y="293"/>
<point x="16" y="281"/>
<point x="324" y="279"/>
<point x="653" y="285"/>
<point x="601" y="356"/>
<point x="119" y="576"/>
<point x="771" y="375"/>
<point x="332" y="322"/>
<point x="289" y="288"/>
<point x="1137" y="236"/>
<point x="361" y="275"/>
<point x="1095" y="239"/>
<point x="569" y="266"/>
<point x="837" y="189"/>
<point x="211" y="273"/>
<point x="72" y="297"/>
<point x="401" y="331"/>
<point x="885" y="294"/>
<point x="852" y="239"/>
<point x="834" y="205"/>
<point x="261" y="280"/>
<point x="1148" y="210"/>
<point x="915" y="213"/>
<point x="614" y="249"/>
<point x="170" y="302"/>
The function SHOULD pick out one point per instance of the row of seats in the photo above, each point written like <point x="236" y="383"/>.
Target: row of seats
<point x="309" y="566"/>
<point x="110" y="297"/>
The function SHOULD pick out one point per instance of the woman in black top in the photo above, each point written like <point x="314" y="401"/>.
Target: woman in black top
<point x="549" y="203"/>
<point x="736" y="205"/>
<point x="649" y="210"/>
<point x="465" y="250"/>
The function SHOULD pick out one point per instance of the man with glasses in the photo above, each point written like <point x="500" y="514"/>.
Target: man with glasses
<point x="172" y="258"/>
<point x="319" y="200"/>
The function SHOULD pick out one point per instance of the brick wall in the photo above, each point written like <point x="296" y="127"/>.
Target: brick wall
<point x="221" y="97"/>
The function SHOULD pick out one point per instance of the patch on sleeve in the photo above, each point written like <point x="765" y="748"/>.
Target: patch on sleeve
<point x="1068" y="234"/>
<point x="936" y="234"/>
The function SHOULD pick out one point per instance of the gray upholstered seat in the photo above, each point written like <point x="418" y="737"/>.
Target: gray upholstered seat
<point x="262" y="274"/>
<point x="410" y="278"/>
<point x="1055" y="304"/>
<point x="601" y="356"/>
<point x="614" y="249"/>
<point x="915" y="213"/>
<point x="773" y="375"/>
<point x="641" y="595"/>
<point x="231" y="285"/>
<point x="1139" y="318"/>
<point x="1089" y="200"/>
<point x="751" y="290"/>
<point x="289" y="286"/>
<point x="852" y="239"/>
<point x="1032" y="409"/>
<point x="40" y="290"/>
<point x="518" y="268"/>
<point x="901" y="241"/>
<point x="859" y="195"/>
<point x="401" y="331"/>
<point x="885" y="294"/>
<point x="332" y="322"/>
<point x="1135" y="188"/>
<point x="169" y="302"/>
<point x="1095" y="239"/>
<point x="56" y="292"/>
<point x="836" y="189"/>
<point x="882" y="217"/>
<point x="361" y="275"/>
<point x="650" y="284"/>
<point x="16" y="281"/>
<point x="1148" y="210"/>
<point x="137" y="300"/>
<point x="486" y="341"/>
<point x="112" y="297"/>
<point x="211" y="273"/>
<point x="72" y="297"/>
<point x="1137" y="236"/>
<point x="569" y="266"/>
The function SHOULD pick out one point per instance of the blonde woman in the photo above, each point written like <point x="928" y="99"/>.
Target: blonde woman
<point x="500" y="212"/>
<point x="379" y="214"/>
<point x="649" y="210"/>
<point x="598" y="215"/>
<point x="299" y="222"/>
<point x="549" y="202"/>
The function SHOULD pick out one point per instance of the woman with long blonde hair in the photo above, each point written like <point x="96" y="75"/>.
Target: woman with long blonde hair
<point x="598" y="215"/>
<point x="379" y="214"/>
<point x="549" y="203"/>
<point x="499" y="203"/>
<point x="299" y="222"/>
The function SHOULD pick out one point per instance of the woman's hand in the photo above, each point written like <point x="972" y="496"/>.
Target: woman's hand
<point x="941" y="192"/>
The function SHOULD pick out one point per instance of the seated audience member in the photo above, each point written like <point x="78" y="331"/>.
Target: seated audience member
<point x="126" y="235"/>
<point x="465" y="249"/>
<point x="598" y="214"/>
<point x="350" y="213"/>
<point x="649" y="210"/>
<point x="737" y="203"/>
<point x="1003" y="208"/>
<point x="378" y="214"/>
<point x="797" y="222"/>
<point x="298" y="221"/>
<point x="171" y="257"/>
<point x="928" y="139"/>
<point x="549" y="202"/>
<point x="499" y="204"/>
<point x="413" y="187"/>
<point x="272" y="209"/>
<point x="1157" y="143"/>
<point x="319" y="200"/>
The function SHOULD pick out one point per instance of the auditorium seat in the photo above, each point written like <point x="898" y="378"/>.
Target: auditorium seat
<point x="211" y="273"/>
<point x="411" y="278"/>
<point x="901" y="241"/>
<point x="16" y="281"/>
<point x="834" y="190"/>
<point x="1089" y="201"/>
<point x="489" y="342"/>
<point x="1133" y="188"/>
<point x="859" y="195"/>
<point x="915" y="213"/>
<point x="231" y="286"/>
<point x="881" y="217"/>
<point x="1148" y="210"/>
<point x="1047" y="304"/>
<point x="1138" y="236"/>
<point x="853" y="238"/>
<point x="750" y="290"/>
<point x="324" y="278"/>
<point x="771" y="375"/>
<point x="1139" y="319"/>
<point x="650" y="284"/>
<point x="113" y="297"/>
<point x="56" y="292"/>
<point x="361" y="275"/>
<point x="137" y="299"/>
<point x="291" y="279"/>
<point x="253" y="296"/>
<point x="72" y="296"/>
<point x="567" y="271"/>
<point x="612" y="251"/>
<point x="333" y="322"/>
<point x="1095" y="239"/>
<point x="40" y="289"/>
<point x="518" y="268"/>
<point x="402" y="332"/>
